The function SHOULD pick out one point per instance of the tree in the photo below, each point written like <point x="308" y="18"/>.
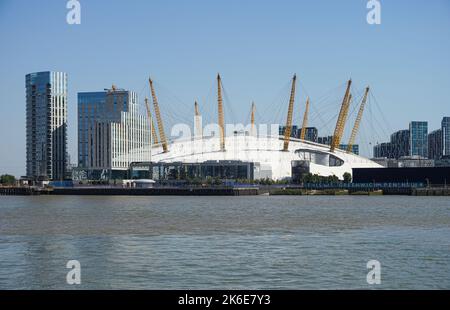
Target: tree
<point x="217" y="181"/>
<point x="306" y="178"/>
<point x="332" y="179"/>
<point x="347" y="177"/>
<point x="7" y="179"/>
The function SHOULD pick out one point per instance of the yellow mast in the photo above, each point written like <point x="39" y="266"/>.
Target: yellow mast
<point x="220" y="111"/>
<point x="305" y="120"/>
<point x="158" y="118"/>
<point x="150" y="119"/>
<point x="253" y="118"/>
<point x="357" y="121"/>
<point x="340" y="124"/>
<point x="288" y="129"/>
<point x="344" y="120"/>
<point x="198" y="126"/>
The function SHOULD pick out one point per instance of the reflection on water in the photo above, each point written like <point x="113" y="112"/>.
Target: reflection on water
<point x="224" y="242"/>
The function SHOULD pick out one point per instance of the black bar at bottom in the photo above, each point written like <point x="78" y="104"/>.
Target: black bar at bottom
<point x="215" y="299"/>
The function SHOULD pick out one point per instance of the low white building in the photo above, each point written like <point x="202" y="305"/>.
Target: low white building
<point x="266" y="153"/>
<point x="141" y="183"/>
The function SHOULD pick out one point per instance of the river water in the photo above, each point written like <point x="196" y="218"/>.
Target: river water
<point x="258" y="242"/>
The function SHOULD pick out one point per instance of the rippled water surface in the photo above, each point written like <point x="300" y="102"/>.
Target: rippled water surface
<point x="258" y="242"/>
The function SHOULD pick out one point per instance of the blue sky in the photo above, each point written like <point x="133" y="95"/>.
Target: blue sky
<point x="256" y="45"/>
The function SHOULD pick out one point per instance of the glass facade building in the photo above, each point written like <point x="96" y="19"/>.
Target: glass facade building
<point x="111" y="133"/>
<point x="435" y="144"/>
<point x="355" y="148"/>
<point x="400" y="144"/>
<point x="445" y="127"/>
<point x="46" y="125"/>
<point x="328" y="139"/>
<point x="183" y="171"/>
<point x="311" y="134"/>
<point x="294" y="131"/>
<point x="325" y="140"/>
<point x="416" y="142"/>
<point x="418" y="139"/>
<point x="383" y="150"/>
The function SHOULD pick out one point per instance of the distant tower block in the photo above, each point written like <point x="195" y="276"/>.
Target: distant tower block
<point x="46" y="125"/>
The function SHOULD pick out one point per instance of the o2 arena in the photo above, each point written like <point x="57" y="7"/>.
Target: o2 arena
<point x="266" y="155"/>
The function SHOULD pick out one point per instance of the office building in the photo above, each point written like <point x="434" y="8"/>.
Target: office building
<point x="46" y="125"/>
<point x="294" y="131"/>
<point x="445" y="127"/>
<point x="435" y="147"/>
<point x="325" y="140"/>
<point x="182" y="171"/>
<point x="355" y="148"/>
<point x="398" y="147"/>
<point x="418" y="139"/>
<point x="111" y="133"/>
<point x="384" y="150"/>
<point x="400" y="144"/>
<point x="311" y="134"/>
